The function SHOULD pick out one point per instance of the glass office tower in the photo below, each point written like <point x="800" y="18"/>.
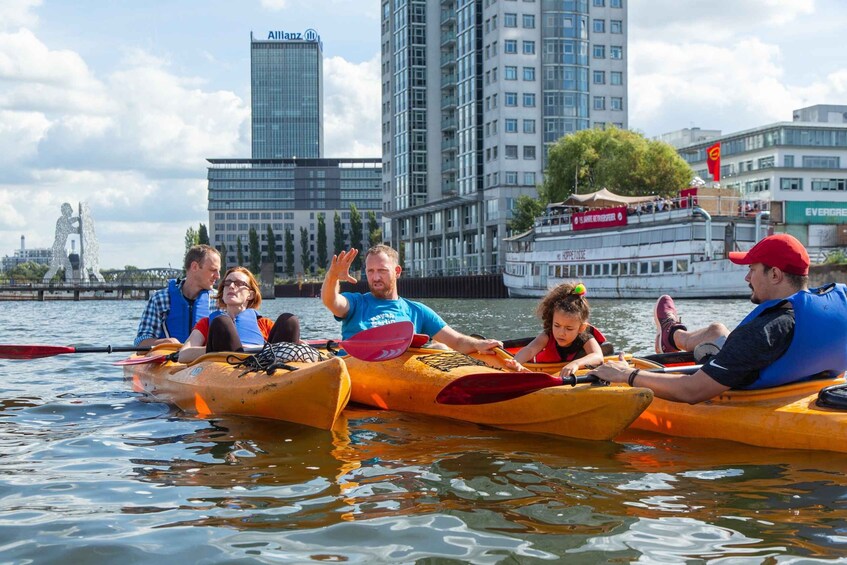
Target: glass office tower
<point x="287" y="97"/>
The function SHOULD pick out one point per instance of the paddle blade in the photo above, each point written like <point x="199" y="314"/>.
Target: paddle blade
<point x="485" y="388"/>
<point x="149" y="359"/>
<point x="380" y="343"/>
<point x="33" y="351"/>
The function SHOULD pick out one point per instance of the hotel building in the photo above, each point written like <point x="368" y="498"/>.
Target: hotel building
<point x="473" y="94"/>
<point x="287" y="184"/>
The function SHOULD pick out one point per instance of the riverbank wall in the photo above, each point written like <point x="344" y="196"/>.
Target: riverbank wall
<point x="469" y="286"/>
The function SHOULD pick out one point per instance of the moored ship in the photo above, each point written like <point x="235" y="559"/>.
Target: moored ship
<point x="638" y="247"/>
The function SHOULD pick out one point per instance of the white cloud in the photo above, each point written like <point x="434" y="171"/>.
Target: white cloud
<point x="18" y="13"/>
<point x="352" y="97"/>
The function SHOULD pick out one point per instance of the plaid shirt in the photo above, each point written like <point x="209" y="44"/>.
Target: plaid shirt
<point x="152" y="323"/>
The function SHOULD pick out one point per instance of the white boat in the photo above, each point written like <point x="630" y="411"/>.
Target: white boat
<point x="625" y="247"/>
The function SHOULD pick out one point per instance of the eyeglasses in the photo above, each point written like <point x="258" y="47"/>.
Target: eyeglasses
<point x="238" y="284"/>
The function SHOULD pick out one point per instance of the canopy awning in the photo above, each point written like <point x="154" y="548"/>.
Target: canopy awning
<point x="600" y="199"/>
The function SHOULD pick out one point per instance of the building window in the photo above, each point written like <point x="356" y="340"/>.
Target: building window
<point x="599" y="26"/>
<point x="511" y="73"/>
<point x="790" y="184"/>
<point x="510" y="125"/>
<point x="529" y="152"/>
<point x="839" y="185"/>
<point x="511" y="99"/>
<point x="511" y="177"/>
<point x="529" y="21"/>
<point x="529" y="48"/>
<point x="529" y="73"/>
<point x="616" y="103"/>
<point x="529" y="126"/>
<point x="616" y="52"/>
<point x="529" y="99"/>
<point x="616" y="78"/>
<point x="599" y="77"/>
<point x="510" y="20"/>
<point x="599" y="3"/>
<point x="788" y="161"/>
<point x="616" y="3"/>
<point x="813" y="162"/>
<point x="529" y="179"/>
<point x="600" y="125"/>
<point x="511" y="152"/>
<point x="599" y="102"/>
<point x="615" y="26"/>
<point x="510" y="46"/>
<point x="766" y="162"/>
<point x="599" y="51"/>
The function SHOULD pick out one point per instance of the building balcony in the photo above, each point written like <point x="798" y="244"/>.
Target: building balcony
<point x="448" y="166"/>
<point x="448" y="59"/>
<point x="448" y="17"/>
<point x="448" y="80"/>
<point x="448" y="102"/>
<point x="448" y="145"/>
<point x="448" y="38"/>
<point x="448" y="123"/>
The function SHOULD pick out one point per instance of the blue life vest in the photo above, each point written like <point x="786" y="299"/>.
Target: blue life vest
<point x="819" y="345"/>
<point x="183" y="313"/>
<point x="246" y="324"/>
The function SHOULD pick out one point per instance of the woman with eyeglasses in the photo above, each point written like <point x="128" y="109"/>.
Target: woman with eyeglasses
<point x="237" y="322"/>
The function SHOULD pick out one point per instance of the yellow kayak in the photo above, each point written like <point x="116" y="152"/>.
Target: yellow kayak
<point x="314" y="394"/>
<point x="411" y="382"/>
<point x="786" y="417"/>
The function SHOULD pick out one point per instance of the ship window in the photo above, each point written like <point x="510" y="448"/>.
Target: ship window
<point x="654" y="267"/>
<point x="605" y="268"/>
<point x="624" y="269"/>
<point x="580" y="271"/>
<point x="614" y="269"/>
<point x="633" y="268"/>
<point x="682" y="265"/>
<point x="667" y="266"/>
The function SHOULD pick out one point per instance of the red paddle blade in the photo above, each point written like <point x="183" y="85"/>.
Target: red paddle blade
<point x="149" y="359"/>
<point x="380" y="343"/>
<point x="419" y="340"/>
<point x="485" y="388"/>
<point x="33" y="351"/>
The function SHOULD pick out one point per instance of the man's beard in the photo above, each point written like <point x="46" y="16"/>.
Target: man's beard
<point x="386" y="292"/>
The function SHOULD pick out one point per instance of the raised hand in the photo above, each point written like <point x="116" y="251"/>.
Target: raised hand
<point x="339" y="268"/>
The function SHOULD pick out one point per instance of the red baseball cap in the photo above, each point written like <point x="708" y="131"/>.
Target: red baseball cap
<point x="779" y="250"/>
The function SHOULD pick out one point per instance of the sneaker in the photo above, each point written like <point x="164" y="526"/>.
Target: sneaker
<point x="666" y="320"/>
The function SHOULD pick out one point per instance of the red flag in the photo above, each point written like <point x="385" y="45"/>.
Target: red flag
<point x="713" y="161"/>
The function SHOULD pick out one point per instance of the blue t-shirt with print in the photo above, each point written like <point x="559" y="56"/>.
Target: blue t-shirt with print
<point x="367" y="311"/>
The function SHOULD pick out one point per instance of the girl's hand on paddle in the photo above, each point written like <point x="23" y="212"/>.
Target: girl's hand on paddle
<point x="339" y="268"/>
<point x="569" y="369"/>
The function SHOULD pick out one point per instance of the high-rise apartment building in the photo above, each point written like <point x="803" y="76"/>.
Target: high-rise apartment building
<point x="473" y="94"/>
<point x="286" y="94"/>
<point x="287" y="185"/>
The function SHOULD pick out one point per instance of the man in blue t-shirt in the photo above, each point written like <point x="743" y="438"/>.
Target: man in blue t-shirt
<point x="382" y="305"/>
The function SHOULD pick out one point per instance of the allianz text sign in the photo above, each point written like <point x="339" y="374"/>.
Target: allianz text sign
<point x="279" y="35"/>
<point x="816" y="212"/>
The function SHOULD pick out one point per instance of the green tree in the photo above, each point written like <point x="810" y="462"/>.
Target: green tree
<point x="271" y="248"/>
<point x="191" y="238"/>
<point x="305" y="256"/>
<point x="29" y="271"/>
<point x="374" y="231"/>
<point x="222" y="249"/>
<point x="203" y="235"/>
<point x="338" y="238"/>
<point x="289" y="253"/>
<point x="239" y="251"/>
<point x="356" y="235"/>
<point x="622" y="161"/>
<point x="321" y="241"/>
<point x="401" y="254"/>
<point x="526" y="210"/>
<point x="255" y="251"/>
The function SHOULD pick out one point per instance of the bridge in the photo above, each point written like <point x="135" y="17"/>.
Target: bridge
<point x="135" y="284"/>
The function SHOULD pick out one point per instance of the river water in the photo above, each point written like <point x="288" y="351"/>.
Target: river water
<point x="90" y="473"/>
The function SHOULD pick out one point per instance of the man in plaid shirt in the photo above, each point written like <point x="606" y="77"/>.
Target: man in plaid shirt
<point x="171" y="312"/>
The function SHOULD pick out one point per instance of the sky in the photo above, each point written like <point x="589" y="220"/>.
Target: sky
<point x="119" y="103"/>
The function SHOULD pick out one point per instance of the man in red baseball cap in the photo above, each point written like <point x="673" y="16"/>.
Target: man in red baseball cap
<point x="793" y="334"/>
